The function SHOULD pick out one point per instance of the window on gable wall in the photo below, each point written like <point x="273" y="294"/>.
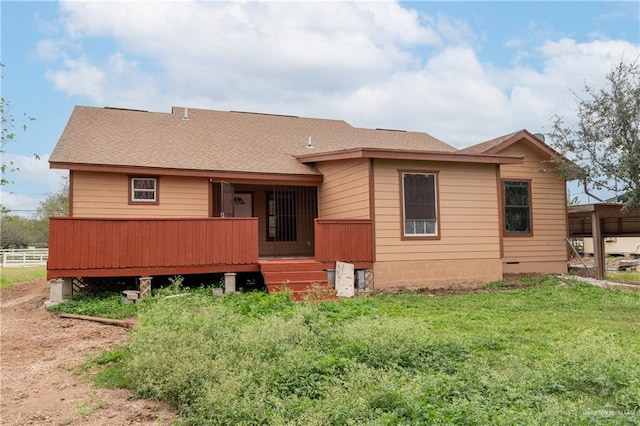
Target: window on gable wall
<point x="517" y="207"/>
<point x="143" y="190"/>
<point x="419" y="204"/>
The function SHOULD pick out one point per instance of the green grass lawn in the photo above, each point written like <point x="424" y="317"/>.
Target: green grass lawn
<point x="626" y="276"/>
<point x="551" y="353"/>
<point x="11" y="276"/>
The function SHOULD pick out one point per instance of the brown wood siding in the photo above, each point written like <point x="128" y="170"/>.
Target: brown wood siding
<point x="344" y="193"/>
<point x="468" y="215"/>
<point x="345" y="240"/>
<point x="82" y="246"/>
<point x="549" y="222"/>
<point x="98" y="194"/>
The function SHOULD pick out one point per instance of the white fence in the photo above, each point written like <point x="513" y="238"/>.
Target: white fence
<point x="20" y="258"/>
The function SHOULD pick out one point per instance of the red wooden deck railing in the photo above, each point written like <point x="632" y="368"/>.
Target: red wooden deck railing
<point x="128" y="247"/>
<point x="344" y="240"/>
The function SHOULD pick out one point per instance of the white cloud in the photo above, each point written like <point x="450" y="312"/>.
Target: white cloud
<point x="80" y="78"/>
<point x="374" y="64"/>
<point x="33" y="173"/>
<point x="33" y="177"/>
<point x="50" y="50"/>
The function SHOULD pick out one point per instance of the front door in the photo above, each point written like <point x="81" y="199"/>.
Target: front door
<point x="289" y="212"/>
<point x="242" y="204"/>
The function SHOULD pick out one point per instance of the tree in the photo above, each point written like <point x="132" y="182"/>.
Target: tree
<point x="8" y="134"/>
<point x="18" y="232"/>
<point x="604" y="147"/>
<point x="56" y="204"/>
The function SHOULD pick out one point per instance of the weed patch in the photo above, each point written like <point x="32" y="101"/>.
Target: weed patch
<point x="543" y="353"/>
<point x="108" y="305"/>
<point x="537" y="352"/>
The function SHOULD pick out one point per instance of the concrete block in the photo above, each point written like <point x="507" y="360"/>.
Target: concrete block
<point x="230" y="282"/>
<point x="145" y="287"/>
<point x="60" y="289"/>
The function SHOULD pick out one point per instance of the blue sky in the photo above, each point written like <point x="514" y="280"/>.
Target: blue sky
<point x="461" y="71"/>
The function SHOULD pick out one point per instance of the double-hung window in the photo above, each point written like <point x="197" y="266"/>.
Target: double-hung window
<point x="419" y="204"/>
<point x="143" y="190"/>
<point x="517" y="207"/>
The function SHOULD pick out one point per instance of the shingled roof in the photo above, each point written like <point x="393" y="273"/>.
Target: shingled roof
<point x="216" y="140"/>
<point x="497" y="145"/>
<point x="486" y="146"/>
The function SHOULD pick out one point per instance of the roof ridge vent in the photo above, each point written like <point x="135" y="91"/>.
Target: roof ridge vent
<point x="125" y="109"/>
<point x="391" y="130"/>
<point x="265" y="113"/>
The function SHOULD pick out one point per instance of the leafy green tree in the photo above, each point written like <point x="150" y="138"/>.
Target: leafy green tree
<point x="18" y="232"/>
<point x="13" y="232"/>
<point x="605" y="145"/>
<point x="56" y="204"/>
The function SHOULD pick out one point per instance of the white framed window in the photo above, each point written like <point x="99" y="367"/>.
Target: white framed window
<point x="419" y="204"/>
<point x="143" y="190"/>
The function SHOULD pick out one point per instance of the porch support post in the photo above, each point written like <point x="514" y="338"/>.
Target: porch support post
<point x="230" y="282"/>
<point x="598" y="245"/>
<point x="145" y="287"/>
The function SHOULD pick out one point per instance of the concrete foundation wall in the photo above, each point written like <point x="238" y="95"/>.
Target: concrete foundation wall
<point x="558" y="267"/>
<point x="436" y="273"/>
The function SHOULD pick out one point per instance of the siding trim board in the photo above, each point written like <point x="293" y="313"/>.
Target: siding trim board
<point x="70" y="190"/>
<point x="500" y="210"/>
<point x="231" y="176"/>
<point x="372" y="207"/>
<point x="408" y="154"/>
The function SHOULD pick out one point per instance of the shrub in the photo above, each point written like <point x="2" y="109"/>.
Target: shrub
<point x="544" y="354"/>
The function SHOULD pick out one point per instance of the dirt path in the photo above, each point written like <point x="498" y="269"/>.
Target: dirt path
<point x="39" y="354"/>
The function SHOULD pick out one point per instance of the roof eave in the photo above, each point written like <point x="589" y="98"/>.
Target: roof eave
<point x="532" y="139"/>
<point x="399" y="154"/>
<point x="235" y="176"/>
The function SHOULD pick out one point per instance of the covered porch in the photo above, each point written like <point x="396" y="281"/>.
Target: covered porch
<point x="105" y="247"/>
<point x="600" y="221"/>
<point x="285" y="215"/>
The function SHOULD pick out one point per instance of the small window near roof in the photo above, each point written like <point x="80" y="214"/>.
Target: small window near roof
<point x="143" y="190"/>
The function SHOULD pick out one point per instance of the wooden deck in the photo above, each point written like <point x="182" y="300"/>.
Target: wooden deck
<point x="346" y="240"/>
<point x="100" y="247"/>
<point x="89" y="247"/>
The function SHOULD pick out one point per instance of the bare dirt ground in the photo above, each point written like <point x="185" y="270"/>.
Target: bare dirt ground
<point x="39" y="357"/>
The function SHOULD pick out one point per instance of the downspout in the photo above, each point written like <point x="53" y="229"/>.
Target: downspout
<point x="586" y="191"/>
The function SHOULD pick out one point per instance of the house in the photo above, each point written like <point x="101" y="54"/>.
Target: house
<point x="195" y="191"/>
<point x="617" y="246"/>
